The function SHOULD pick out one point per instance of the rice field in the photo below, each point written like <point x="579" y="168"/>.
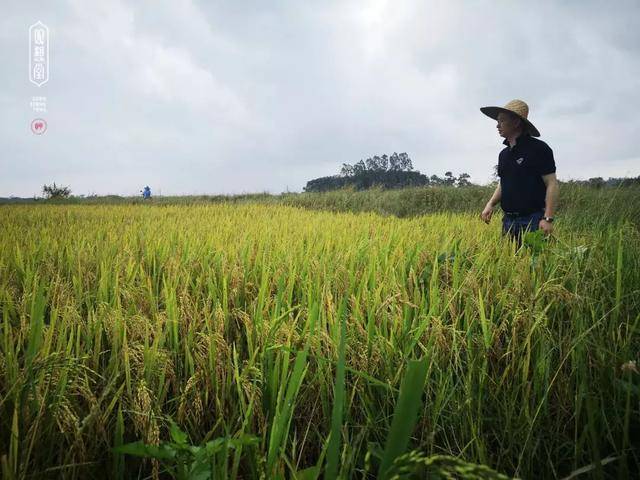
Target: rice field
<point x="260" y="340"/>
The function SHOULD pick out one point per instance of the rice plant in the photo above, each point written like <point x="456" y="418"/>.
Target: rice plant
<point x="299" y="343"/>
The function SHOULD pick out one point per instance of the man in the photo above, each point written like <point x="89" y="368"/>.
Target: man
<point x="528" y="188"/>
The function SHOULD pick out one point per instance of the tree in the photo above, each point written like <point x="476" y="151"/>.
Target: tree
<point x="384" y="163"/>
<point x="393" y="171"/>
<point x="374" y="164"/>
<point x="405" y="162"/>
<point x="436" y="180"/>
<point x="347" y="170"/>
<point x="394" y="163"/>
<point x="463" y="180"/>
<point x="449" y="179"/>
<point x="54" y="191"/>
<point x="359" y="168"/>
<point x="597" y="182"/>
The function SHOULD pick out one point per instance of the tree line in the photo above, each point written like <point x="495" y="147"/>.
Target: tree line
<point x="599" y="182"/>
<point x="386" y="171"/>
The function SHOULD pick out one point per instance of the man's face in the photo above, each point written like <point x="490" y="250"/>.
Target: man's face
<point x="508" y="125"/>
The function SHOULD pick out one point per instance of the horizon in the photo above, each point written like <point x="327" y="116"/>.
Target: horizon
<point x="158" y="193"/>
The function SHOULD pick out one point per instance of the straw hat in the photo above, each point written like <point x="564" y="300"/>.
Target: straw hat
<point x="518" y="107"/>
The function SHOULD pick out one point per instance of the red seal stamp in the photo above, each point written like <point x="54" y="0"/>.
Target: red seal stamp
<point x="38" y="126"/>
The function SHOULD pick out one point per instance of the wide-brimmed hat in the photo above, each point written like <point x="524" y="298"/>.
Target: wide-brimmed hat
<point x="518" y="107"/>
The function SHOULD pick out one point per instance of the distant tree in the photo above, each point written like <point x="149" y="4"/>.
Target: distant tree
<point x="359" y="168"/>
<point x="449" y="179"/>
<point x="384" y="162"/>
<point x="393" y="171"/>
<point x="54" y="191"/>
<point x="463" y="180"/>
<point x="347" y="170"/>
<point x="405" y="162"/>
<point x="374" y="164"/>
<point x="394" y="163"/>
<point x="597" y="182"/>
<point x="436" y="180"/>
<point x="386" y="171"/>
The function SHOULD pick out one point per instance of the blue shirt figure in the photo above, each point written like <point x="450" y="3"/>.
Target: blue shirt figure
<point x="146" y="193"/>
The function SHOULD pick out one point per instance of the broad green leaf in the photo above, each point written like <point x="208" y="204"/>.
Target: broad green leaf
<point x="405" y="414"/>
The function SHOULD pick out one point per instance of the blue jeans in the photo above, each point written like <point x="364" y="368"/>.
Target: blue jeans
<point x="515" y="227"/>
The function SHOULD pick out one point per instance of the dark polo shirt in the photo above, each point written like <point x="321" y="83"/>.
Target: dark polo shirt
<point x="520" y="169"/>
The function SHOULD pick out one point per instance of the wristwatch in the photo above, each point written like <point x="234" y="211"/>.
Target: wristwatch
<point x="547" y="219"/>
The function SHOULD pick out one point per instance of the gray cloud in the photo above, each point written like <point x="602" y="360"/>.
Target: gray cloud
<point x="210" y="97"/>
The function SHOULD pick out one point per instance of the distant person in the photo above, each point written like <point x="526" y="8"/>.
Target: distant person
<point x="528" y="188"/>
<point x="146" y="193"/>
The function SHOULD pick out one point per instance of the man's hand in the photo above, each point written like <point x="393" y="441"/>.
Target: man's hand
<point x="493" y="201"/>
<point x="487" y="213"/>
<point x="546" y="227"/>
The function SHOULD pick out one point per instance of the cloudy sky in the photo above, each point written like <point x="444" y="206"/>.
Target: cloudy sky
<point x="197" y="97"/>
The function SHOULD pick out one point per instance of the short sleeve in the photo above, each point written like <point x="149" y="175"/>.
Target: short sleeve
<point x="546" y="163"/>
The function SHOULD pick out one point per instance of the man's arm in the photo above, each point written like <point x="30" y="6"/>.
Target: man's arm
<point x="551" y="197"/>
<point x="550" y="200"/>
<point x="495" y="198"/>
<point x="488" y="209"/>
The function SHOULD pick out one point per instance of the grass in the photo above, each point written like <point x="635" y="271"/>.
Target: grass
<point x="313" y="331"/>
